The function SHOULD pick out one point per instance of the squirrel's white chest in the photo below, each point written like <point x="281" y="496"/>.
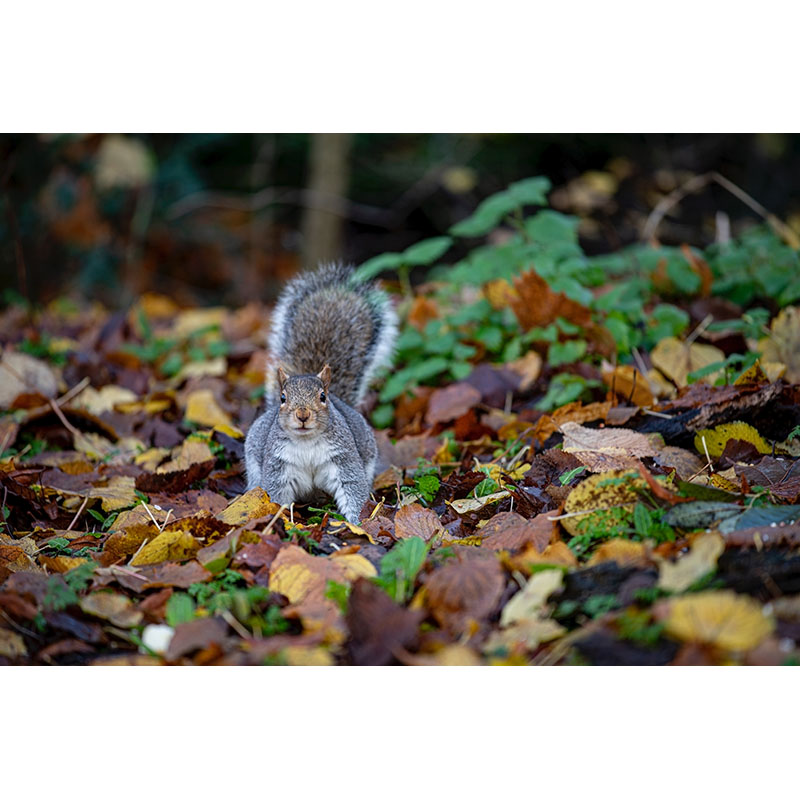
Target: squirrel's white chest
<point x="308" y="467"/>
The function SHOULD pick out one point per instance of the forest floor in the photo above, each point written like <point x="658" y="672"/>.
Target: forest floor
<point x="651" y="517"/>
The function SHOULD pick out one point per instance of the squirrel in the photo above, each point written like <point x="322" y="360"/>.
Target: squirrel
<point x="329" y="333"/>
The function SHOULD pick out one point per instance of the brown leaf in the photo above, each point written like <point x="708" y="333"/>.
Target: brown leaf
<point x="451" y="402"/>
<point x="196" y="635"/>
<point x="169" y="573"/>
<point x="605" y="449"/>
<point x="414" y="520"/>
<point x="378" y="626"/>
<point x="259" y="554"/>
<point x="510" y="531"/>
<point x="464" y="591"/>
<point x="628" y="384"/>
<point x="536" y="305"/>
<point x="780" y="476"/>
<point x="175" y="481"/>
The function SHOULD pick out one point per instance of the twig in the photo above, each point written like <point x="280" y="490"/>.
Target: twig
<point x="80" y="511"/>
<point x="76" y="389"/>
<point x="64" y="421"/>
<point x="699" y="182"/>
<point x="271" y="524"/>
<point x="236" y="625"/>
<point x="656" y="413"/>
<point x="708" y="457"/>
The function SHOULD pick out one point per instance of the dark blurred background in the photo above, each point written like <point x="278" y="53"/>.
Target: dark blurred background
<point x="226" y="218"/>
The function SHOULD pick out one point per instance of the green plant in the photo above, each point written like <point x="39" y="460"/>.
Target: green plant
<point x="339" y="593"/>
<point x="426" y="483"/>
<point x="399" y="568"/>
<point x="637" y="626"/>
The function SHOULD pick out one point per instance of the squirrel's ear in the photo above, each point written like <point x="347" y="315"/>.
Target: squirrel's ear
<point x="325" y="376"/>
<point x="282" y="377"/>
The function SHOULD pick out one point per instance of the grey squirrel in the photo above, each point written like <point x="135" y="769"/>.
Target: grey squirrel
<point x="329" y="333"/>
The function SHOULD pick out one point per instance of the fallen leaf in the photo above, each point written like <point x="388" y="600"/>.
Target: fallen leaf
<point x="203" y="409"/>
<point x="510" y="531"/>
<point x="451" y="402"/>
<point x="528" y="602"/>
<point x="605" y="449"/>
<point x="724" y="619"/>
<point x="378" y="626"/>
<point x="414" y="520"/>
<point x="623" y="552"/>
<point x="676" y="359"/>
<point x="783" y="343"/>
<point x="688" y="569"/>
<point x="717" y="438"/>
<point x="12" y="645"/>
<point x="628" y="384"/>
<point x="24" y="374"/>
<point x="251" y="505"/>
<point x="536" y="305"/>
<point x="116" y="608"/>
<point x="463" y="591"/>
<point x="475" y="503"/>
<point x="173" y="545"/>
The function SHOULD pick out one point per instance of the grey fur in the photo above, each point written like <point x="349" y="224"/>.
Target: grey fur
<point x="326" y="316"/>
<point x="306" y="446"/>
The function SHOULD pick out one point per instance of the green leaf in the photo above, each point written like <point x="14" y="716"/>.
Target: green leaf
<point x="487" y="216"/>
<point x="549" y="227"/>
<point x="531" y="191"/>
<point x="399" y="568"/>
<point x="180" y="608"/>
<point x="339" y="593"/>
<point x="374" y="266"/>
<point x="566" y="352"/>
<point x="383" y="415"/>
<point x="424" y="253"/>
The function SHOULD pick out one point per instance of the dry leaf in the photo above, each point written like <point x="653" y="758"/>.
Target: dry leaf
<point x="527" y="603"/>
<point x="676" y="359"/>
<point x="464" y="591"/>
<point x="688" y="569"/>
<point x="605" y="449"/>
<point x="724" y="619"/>
<point x="783" y="343"/>
<point x="172" y="545"/>
<point x="414" y="520"/>
<point x="451" y="402"/>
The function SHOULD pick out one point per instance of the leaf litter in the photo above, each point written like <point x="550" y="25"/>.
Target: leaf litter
<point x="564" y="478"/>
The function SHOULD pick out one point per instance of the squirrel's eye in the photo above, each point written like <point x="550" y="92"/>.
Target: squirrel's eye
<point x="283" y="397"/>
<point x="322" y="397"/>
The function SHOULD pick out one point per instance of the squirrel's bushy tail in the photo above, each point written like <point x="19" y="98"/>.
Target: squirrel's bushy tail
<point x="328" y="317"/>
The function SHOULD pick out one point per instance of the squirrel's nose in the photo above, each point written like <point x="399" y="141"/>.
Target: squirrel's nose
<point x="302" y="414"/>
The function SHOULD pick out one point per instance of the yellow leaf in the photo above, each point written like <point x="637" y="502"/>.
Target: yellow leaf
<point x="96" y="401"/>
<point x="623" y="551"/>
<point x="294" y="581"/>
<point x="698" y="562"/>
<point x="251" y="505"/>
<point x="676" y="359"/>
<point x="174" y="545"/>
<point x="202" y="408"/>
<point x="355" y="566"/>
<point x="717" y="438"/>
<point x="783" y="344"/>
<point x="299" y="656"/>
<point x="602" y="500"/>
<point x="725" y="619"/>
